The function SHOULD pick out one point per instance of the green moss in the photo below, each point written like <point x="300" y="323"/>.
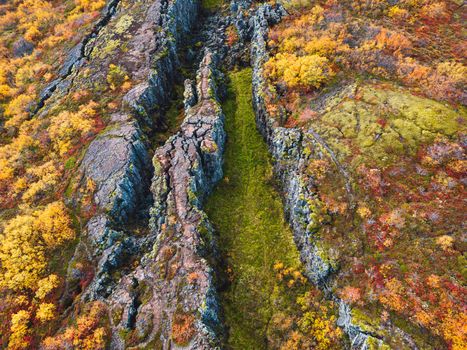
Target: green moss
<point x="155" y="344"/>
<point x="365" y="322"/>
<point x="110" y="46"/>
<point x="428" y="114"/>
<point x="375" y="344"/>
<point x="212" y="148"/>
<point x="247" y="213"/>
<point x="211" y="5"/>
<point x="146" y="293"/>
<point x="116" y="315"/>
<point x="123" y="24"/>
<point x="70" y="189"/>
<point x="116" y="76"/>
<point x="124" y="333"/>
<point x="327" y="253"/>
<point x="369" y="321"/>
<point x="70" y="163"/>
<point x="204" y="232"/>
<point x="192" y="197"/>
<point x="384" y="123"/>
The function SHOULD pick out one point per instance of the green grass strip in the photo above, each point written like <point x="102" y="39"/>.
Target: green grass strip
<point x="247" y="212"/>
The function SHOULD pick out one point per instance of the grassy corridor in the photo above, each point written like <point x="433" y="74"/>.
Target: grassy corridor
<point x="247" y="212"/>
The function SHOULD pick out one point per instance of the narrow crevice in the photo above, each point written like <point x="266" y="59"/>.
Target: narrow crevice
<point x="76" y="55"/>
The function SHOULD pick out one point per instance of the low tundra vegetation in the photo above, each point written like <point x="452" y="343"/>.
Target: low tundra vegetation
<point x="386" y="93"/>
<point x="39" y="153"/>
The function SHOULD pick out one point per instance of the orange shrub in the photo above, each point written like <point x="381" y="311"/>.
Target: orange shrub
<point x="182" y="328"/>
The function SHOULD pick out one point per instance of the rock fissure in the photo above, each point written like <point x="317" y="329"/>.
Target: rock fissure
<point x="76" y="55"/>
<point x="198" y="211"/>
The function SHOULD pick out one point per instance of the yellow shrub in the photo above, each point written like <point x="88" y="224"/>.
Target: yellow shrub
<point x="25" y="242"/>
<point x="318" y="323"/>
<point x="116" y="77"/>
<point x="445" y="242"/>
<point x="35" y="18"/>
<point x="90" y="5"/>
<point x="46" y="285"/>
<point x="20" y="185"/>
<point x="17" y="110"/>
<point x="19" y="330"/>
<point x="21" y="253"/>
<point x="17" y="149"/>
<point x="323" y="46"/>
<point x="67" y="127"/>
<point x="298" y="4"/>
<point x="292" y="44"/>
<point x="310" y="71"/>
<point x="398" y="13"/>
<point x="454" y="70"/>
<point x="6" y="172"/>
<point x="54" y="225"/>
<point x="5" y="89"/>
<point x="45" y="312"/>
<point x="45" y="178"/>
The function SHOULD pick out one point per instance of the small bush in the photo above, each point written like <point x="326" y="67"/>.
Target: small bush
<point x="182" y="328"/>
<point x="309" y="71"/>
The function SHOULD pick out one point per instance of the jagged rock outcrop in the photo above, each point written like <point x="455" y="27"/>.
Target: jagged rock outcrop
<point x="157" y="282"/>
<point x="166" y="283"/>
<point x="170" y="298"/>
<point x="121" y="175"/>
<point x="287" y="148"/>
<point x="117" y="161"/>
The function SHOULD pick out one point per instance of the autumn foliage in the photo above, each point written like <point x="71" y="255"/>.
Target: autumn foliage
<point x="183" y="328"/>
<point x="312" y="322"/>
<point x="35" y="38"/>
<point x="398" y="228"/>
<point x="328" y="39"/>
<point x="89" y="332"/>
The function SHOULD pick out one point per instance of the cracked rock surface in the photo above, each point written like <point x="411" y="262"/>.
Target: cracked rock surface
<point x="176" y="272"/>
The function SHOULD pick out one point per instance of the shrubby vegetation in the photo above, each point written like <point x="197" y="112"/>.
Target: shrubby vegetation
<point x="25" y="246"/>
<point x="89" y="332"/>
<point x="304" y="72"/>
<point x="328" y="39"/>
<point x="399" y="230"/>
<point x="37" y="156"/>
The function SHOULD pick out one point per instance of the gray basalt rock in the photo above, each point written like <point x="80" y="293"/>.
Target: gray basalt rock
<point x="189" y="95"/>
<point x="176" y="267"/>
<point x="75" y="57"/>
<point x="117" y="161"/>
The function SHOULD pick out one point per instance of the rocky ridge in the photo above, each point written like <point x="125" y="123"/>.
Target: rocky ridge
<point x="117" y="161"/>
<point x="118" y="164"/>
<point x="173" y="286"/>
<point x="157" y="277"/>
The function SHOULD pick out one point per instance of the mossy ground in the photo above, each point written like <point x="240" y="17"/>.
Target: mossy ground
<point x="211" y="5"/>
<point x="247" y="213"/>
